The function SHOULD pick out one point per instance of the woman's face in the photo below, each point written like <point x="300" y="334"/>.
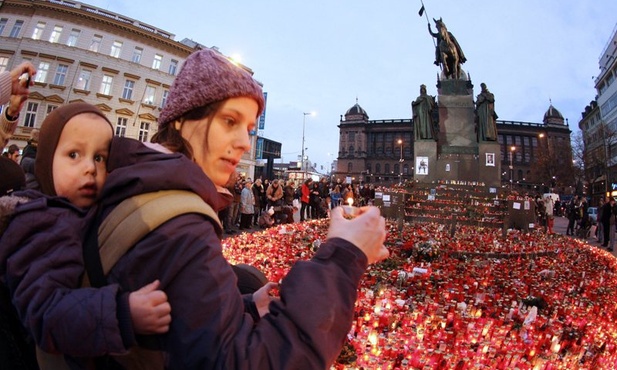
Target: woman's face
<point x="219" y="140"/>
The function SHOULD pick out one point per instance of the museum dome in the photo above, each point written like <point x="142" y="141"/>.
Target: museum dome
<point x="356" y="109"/>
<point x="552" y="112"/>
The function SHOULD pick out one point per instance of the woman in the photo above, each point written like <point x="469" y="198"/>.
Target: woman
<point x="205" y="128"/>
<point x="304" y="199"/>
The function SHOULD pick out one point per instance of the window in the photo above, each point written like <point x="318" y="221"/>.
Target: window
<point x="55" y="34"/>
<point x="143" y="131"/>
<point x="4" y="62"/>
<point x="121" y="126"/>
<point x="95" y="44"/>
<point x="149" y="95"/>
<point x="396" y="168"/>
<point x="41" y="73"/>
<point x="350" y="167"/>
<point x="60" y="74"/>
<point x="83" y="82"/>
<point x="137" y="54"/>
<point x="165" y="96"/>
<point x="405" y="169"/>
<point x="31" y="114"/>
<point x="16" y="28"/>
<point x="51" y="108"/>
<point x="3" y="24"/>
<point x="351" y="150"/>
<point x="127" y="92"/>
<point x="106" y="85"/>
<point x="156" y="63"/>
<point x="387" y="168"/>
<point x="377" y="168"/>
<point x="38" y="31"/>
<point x="173" y="67"/>
<point x="72" y="41"/>
<point x="116" y="48"/>
<point x="351" y="135"/>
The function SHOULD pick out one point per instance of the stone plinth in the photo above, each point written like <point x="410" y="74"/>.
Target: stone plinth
<point x="425" y="166"/>
<point x="456" y="124"/>
<point x="489" y="163"/>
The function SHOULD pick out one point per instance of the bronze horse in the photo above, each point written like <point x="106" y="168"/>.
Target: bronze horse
<point x="448" y="53"/>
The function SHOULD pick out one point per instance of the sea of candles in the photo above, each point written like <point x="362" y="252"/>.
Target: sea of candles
<point x="464" y="298"/>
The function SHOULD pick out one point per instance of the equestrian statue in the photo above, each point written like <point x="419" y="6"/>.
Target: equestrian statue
<point x="448" y="52"/>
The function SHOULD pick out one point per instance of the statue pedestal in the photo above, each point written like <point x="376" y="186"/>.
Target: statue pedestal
<point x="425" y="166"/>
<point x="457" y="131"/>
<point x="489" y="163"/>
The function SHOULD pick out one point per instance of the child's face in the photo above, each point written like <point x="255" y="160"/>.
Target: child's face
<point x="219" y="141"/>
<point x="79" y="165"/>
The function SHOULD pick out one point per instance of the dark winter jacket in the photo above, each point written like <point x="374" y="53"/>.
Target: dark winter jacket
<point x="41" y="263"/>
<point x="209" y="328"/>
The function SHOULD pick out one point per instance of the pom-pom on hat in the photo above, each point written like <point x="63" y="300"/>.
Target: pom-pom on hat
<point x="51" y="129"/>
<point x="207" y="77"/>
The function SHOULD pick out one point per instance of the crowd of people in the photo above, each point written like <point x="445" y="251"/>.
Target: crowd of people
<point x="264" y="203"/>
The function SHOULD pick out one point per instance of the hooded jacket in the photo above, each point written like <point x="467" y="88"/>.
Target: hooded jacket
<point x="209" y="328"/>
<point x="41" y="263"/>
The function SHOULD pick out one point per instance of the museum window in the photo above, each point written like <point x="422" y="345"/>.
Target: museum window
<point x="377" y="168"/>
<point x="16" y="28"/>
<point x="121" y="124"/>
<point x="3" y="22"/>
<point x="38" y="31"/>
<point x="396" y="168"/>
<point x="106" y="84"/>
<point x="55" y="34"/>
<point x="127" y="92"/>
<point x="30" y="119"/>
<point x="41" y="73"/>
<point x="60" y="76"/>
<point x="405" y="169"/>
<point x="386" y="168"/>
<point x="73" y="37"/>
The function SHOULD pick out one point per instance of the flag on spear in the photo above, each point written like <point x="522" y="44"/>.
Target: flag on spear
<point x="421" y="10"/>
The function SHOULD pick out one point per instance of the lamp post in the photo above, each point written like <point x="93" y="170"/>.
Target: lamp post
<point x="512" y="149"/>
<point x="401" y="160"/>
<point x="303" y="163"/>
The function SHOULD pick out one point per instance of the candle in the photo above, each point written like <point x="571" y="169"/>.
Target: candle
<point x="350" y="211"/>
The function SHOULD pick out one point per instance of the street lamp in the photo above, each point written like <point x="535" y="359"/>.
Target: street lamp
<point x="401" y="160"/>
<point x="512" y="149"/>
<point x="303" y="163"/>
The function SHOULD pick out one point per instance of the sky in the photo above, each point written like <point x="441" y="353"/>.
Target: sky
<point x="322" y="55"/>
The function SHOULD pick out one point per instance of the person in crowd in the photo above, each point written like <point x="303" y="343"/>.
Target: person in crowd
<point x="336" y="196"/>
<point x="13" y="153"/>
<point x="28" y="157"/>
<point x="13" y="90"/>
<point x="235" y="205"/>
<point x="225" y="214"/>
<point x="599" y="233"/>
<point x="259" y="193"/>
<point x="305" y="209"/>
<point x="607" y="219"/>
<point x="247" y="205"/>
<point x="274" y="193"/>
<point x="212" y="108"/>
<point x="288" y="193"/>
<point x="573" y="214"/>
<point x="315" y="201"/>
<point x="12" y="176"/>
<point x="265" y="219"/>
<point x="41" y="259"/>
<point x="549" y="205"/>
<point x="348" y="194"/>
<point x="584" y="217"/>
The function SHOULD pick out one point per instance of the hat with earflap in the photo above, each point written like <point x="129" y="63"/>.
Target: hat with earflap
<point x="207" y="77"/>
<point x="51" y="129"/>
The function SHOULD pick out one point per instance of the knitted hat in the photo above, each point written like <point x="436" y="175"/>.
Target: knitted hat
<point x="51" y="129"/>
<point x="13" y="177"/>
<point x="207" y="77"/>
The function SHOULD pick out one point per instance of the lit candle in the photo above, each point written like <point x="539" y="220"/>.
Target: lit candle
<point x="350" y="211"/>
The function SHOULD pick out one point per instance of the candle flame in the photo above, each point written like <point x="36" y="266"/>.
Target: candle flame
<point x="350" y="201"/>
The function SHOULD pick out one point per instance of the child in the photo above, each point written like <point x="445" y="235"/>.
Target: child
<point x="265" y="219"/>
<point x="41" y="250"/>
